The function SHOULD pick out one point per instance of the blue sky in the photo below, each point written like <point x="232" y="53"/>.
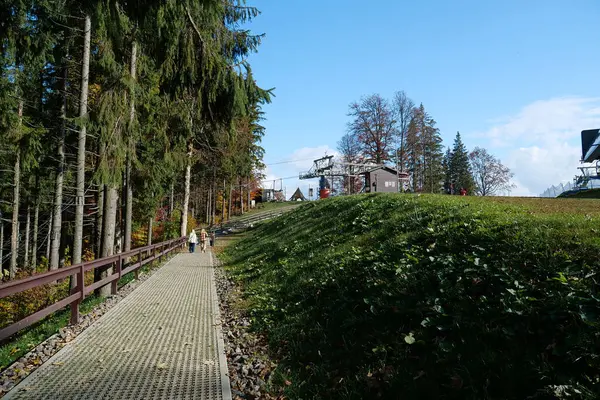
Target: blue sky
<point x="521" y="78"/>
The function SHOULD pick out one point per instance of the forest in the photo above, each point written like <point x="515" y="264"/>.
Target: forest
<point x="122" y="123"/>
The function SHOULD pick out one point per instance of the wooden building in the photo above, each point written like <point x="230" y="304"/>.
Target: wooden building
<point x="384" y="179"/>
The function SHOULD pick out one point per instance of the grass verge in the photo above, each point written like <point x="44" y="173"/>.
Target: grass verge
<point x="428" y="297"/>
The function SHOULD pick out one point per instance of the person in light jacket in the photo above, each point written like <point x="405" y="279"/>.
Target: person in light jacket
<point x="203" y="237"/>
<point x="193" y="239"/>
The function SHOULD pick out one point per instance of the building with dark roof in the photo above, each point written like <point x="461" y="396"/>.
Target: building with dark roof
<point x="384" y="179"/>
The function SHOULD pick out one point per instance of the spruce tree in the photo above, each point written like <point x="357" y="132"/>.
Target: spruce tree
<point x="414" y="154"/>
<point x="459" y="167"/>
<point x="432" y="152"/>
<point x="448" y="183"/>
<point x="171" y="94"/>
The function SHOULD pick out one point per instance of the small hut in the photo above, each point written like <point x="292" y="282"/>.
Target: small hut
<point x="298" y="196"/>
<point x="384" y="179"/>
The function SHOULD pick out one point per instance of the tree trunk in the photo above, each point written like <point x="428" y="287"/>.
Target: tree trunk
<point x="223" y="204"/>
<point x="99" y="219"/>
<point x="172" y="200"/>
<point x="14" y="239"/>
<point x="1" y="246"/>
<point x="49" y="236"/>
<point x="27" y="229"/>
<point x="60" y="172"/>
<point x="186" y="197"/>
<point x="108" y="236"/>
<point x="249" y="199"/>
<point x="208" y="206"/>
<point x="129" y="204"/>
<point x="213" y="204"/>
<point x="150" y="228"/>
<point x="230" y="201"/>
<point x="241" y="198"/>
<point x="36" y="220"/>
<point x="83" y="101"/>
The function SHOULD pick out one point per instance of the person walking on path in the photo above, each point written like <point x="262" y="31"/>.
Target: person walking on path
<point x="193" y="240"/>
<point x="203" y="237"/>
<point x="212" y="239"/>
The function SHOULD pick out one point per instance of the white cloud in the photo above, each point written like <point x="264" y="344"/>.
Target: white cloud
<point x="537" y="168"/>
<point x="555" y="119"/>
<point x="541" y="144"/>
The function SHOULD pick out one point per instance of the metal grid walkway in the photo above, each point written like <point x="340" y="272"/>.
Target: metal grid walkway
<point x="163" y="341"/>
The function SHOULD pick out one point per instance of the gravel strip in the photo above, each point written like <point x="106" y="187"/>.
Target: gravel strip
<point x="25" y="365"/>
<point x="247" y="352"/>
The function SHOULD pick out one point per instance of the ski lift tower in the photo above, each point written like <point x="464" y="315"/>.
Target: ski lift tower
<point x="590" y="153"/>
<point x="328" y="167"/>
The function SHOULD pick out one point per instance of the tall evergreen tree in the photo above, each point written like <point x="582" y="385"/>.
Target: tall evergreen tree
<point x="460" y="168"/>
<point x="448" y="184"/>
<point x="414" y="152"/>
<point x="171" y="95"/>
<point x="431" y="169"/>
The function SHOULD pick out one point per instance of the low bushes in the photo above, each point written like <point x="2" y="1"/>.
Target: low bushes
<point x="400" y="296"/>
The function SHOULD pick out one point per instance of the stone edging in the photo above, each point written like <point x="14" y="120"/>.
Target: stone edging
<point x="225" y="383"/>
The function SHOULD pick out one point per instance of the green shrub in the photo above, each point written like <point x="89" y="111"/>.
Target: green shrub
<point x="426" y="297"/>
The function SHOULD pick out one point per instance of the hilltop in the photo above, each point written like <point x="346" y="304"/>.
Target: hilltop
<point x="404" y="296"/>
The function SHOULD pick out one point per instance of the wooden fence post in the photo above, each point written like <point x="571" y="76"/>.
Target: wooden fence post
<point x="80" y="288"/>
<point x="137" y="271"/>
<point x="115" y="283"/>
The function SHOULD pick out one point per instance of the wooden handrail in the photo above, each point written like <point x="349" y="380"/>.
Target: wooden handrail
<point x="80" y="291"/>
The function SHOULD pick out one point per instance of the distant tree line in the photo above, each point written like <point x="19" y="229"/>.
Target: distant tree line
<point x="116" y="117"/>
<point x="398" y="132"/>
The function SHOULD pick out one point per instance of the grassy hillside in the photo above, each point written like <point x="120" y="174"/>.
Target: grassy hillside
<point x="584" y="194"/>
<point x="429" y="297"/>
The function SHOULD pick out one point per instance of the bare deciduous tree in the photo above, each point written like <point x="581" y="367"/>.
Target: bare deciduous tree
<point x="490" y="175"/>
<point x="374" y="127"/>
<point x="350" y="149"/>
<point x="403" y="110"/>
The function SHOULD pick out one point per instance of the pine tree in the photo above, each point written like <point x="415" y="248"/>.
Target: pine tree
<point x="460" y="169"/>
<point x="171" y="94"/>
<point x="83" y="113"/>
<point x="414" y="152"/>
<point x="430" y="169"/>
<point x="448" y="183"/>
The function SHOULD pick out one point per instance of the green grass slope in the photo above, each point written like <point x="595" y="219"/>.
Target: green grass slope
<point x="427" y="297"/>
<point x="584" y="194"/>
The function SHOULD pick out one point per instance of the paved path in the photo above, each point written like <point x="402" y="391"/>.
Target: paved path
<point x="163" y="341"/>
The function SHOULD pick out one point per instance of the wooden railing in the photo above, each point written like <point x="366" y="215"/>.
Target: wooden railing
<point x="122" y="263"/>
